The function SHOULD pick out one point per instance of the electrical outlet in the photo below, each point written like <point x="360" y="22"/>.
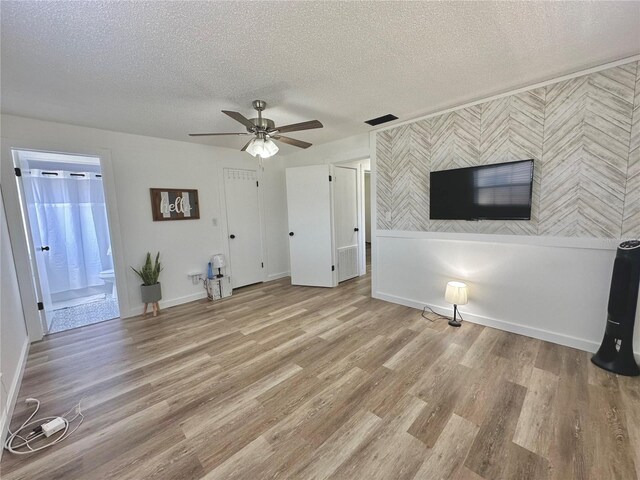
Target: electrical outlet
<point x="214" y="222"/>
<point x="195" y="277"/>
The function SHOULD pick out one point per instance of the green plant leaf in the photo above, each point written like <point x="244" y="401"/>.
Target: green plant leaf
<point x="149" y="272"/>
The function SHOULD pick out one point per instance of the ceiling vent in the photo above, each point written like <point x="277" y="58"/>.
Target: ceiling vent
<point x="383" y="119"/>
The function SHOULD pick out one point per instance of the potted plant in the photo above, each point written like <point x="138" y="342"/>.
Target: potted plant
<point x="150" y="289"/>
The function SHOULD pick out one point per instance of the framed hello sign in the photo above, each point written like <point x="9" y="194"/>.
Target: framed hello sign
<point x="174" y="204"/>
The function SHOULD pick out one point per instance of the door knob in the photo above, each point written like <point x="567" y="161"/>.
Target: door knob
<point x="232" y="236"/>
<point x="291" y="234"/>
<point x="45" y="248"/>
<point x="356" y="229"/>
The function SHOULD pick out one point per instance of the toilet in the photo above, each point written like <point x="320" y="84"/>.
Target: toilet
<point x="109" y="278"/>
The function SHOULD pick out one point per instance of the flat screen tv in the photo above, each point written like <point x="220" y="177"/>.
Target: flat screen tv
<point x="500" y="191"/>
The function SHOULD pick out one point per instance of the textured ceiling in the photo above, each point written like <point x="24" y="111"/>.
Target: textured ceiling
<point x="167" y="69"/>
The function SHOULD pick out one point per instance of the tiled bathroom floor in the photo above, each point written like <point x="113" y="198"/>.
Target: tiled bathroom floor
<point x="86" y="314"/>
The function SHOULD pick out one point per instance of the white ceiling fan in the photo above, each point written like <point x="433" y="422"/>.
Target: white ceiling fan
<point x="265" y="132"/>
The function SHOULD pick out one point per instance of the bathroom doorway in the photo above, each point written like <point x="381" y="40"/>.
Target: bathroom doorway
<point x="69" y="245"/>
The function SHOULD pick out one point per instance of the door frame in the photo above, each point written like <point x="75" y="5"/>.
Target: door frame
<point x="17" y="234"/>
<point x="224" y="227"/>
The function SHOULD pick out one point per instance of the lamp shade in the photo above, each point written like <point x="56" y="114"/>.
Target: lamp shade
<point x="263" y="148"/>
<point x="456" y="293"/>
<point x="218" y="261"/>
<point x="270" y="148"/>
<point x="255" y="147"/>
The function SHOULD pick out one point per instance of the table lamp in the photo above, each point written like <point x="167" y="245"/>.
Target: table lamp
<point x="456" y="294"/>
<point x="218" y="262"/>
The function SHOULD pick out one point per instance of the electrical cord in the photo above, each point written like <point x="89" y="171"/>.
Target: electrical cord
<point x="424" y="310"/>
<point x="37" y="433"/>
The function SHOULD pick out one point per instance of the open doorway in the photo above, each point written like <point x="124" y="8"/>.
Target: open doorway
<point x="65" y="220"/>
<point x="346" y="222"/>
<point x="363" y="169"/>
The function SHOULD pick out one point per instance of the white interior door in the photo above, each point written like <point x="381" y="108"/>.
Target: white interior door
<point x="309" y="206"/>
<point x="346" y="223"/>
<point x="37" y="248"/>
<point x="367" y="207"/>
<point x="243" y="226"/>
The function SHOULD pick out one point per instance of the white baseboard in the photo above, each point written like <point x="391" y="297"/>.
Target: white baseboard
<point x="276" y="276"/>
<point x="553" y="337"/>
<point x="135" y="311"/>
<point x="12" y="394"/>
<point x="166" y="304"/>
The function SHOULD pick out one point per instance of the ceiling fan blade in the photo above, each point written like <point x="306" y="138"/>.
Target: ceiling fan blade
<point x="212" y="134"/>
<point x="292" y="141"/>
<point x="238" y="117"/>
<point x="295" y="127"/>
<point x="246" y="146"/>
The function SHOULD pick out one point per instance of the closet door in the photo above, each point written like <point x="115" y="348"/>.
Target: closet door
<point x="309" y="206"/>
<point x="243" y="226"/>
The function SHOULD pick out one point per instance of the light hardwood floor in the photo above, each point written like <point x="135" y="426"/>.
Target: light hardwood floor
<point x="307" y="383"/>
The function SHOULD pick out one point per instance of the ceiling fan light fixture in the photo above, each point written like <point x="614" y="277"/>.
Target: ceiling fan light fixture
<point x="270" y="148"/>
<point x="259" y="147"/>
<point x="255" y="147"/>
<point x="262" y="145"/>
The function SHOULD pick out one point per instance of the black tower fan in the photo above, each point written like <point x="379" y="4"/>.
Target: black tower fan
<point x="616" y="352"/>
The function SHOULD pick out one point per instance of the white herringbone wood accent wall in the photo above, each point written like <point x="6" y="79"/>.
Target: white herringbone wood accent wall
<point x="583" y="133"/>
<point x="405" y="154"/>
<point x="455" y="139"/>
<point x="586" y="154"/>
<point x="512" y="128"/>
<point x="631" y="222"/>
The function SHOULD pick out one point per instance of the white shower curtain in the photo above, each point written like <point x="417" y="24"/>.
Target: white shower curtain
<point x="71" y="215"/>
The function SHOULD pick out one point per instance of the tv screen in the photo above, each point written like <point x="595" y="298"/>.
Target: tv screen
<point x="501" y="191"/>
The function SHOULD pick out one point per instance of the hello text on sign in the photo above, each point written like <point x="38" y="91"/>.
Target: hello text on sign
<point x="174" y="204"/>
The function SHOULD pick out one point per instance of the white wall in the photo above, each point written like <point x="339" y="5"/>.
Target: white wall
<point x="14" y="343"/>
<point x="139" y="163"/>
<point x="346" y="149"/>
<point x="552" y="290"/>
